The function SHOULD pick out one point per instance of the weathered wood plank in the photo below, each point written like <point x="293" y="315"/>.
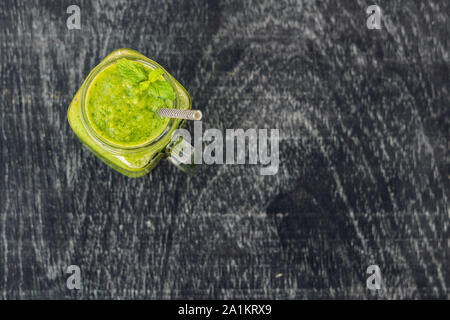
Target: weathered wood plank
<point x="363" y="177"/>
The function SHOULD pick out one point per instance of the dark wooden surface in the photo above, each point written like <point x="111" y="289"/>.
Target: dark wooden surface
<point x="363" y="178"/>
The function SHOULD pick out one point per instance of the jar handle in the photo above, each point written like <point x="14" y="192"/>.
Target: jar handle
<point x="181" y="154"/>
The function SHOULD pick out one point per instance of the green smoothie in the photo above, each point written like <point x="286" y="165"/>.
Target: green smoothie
<point x="122" y="102"/>
<point x="114" y="111"/>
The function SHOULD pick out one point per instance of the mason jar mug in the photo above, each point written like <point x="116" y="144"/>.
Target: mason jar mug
<point x="139" y="159"/>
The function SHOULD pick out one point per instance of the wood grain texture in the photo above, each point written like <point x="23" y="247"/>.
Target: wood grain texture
<point x="363" y="178"/>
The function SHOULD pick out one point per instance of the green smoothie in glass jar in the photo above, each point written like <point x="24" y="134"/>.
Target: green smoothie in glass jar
<point x="115" y="112"/>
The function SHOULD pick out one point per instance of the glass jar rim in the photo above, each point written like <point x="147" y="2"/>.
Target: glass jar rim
<point x="87" y="123"/>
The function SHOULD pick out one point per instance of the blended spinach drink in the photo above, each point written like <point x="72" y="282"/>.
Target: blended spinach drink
<point x="115" y="112"/>
<point x="122" y="102"/>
